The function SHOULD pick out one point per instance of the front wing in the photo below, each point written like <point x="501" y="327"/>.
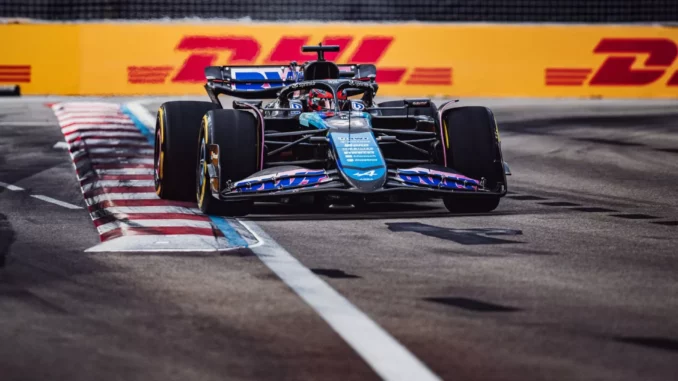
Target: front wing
<point x="320" y="182"/>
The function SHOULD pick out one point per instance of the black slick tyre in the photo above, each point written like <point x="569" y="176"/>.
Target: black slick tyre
<point x="176" y="131"/>
<point x="236" y="132"/>
<point x="472" y="149"/>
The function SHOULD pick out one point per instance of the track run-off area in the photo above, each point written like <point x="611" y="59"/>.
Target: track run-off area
<point x="572" y="277"/>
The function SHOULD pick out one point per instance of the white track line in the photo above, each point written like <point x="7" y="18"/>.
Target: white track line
<point x="11" y="187"/>
<point x="56" y="202"/>
<point x="390" y="359"/>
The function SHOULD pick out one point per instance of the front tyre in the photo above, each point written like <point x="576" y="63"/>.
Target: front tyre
<point x="236" y="133"/>
<point x="472" y="147"/>
<point x="176" y="129"/>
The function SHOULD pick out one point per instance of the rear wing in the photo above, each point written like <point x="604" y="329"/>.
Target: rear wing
<point x="257" y="82"/>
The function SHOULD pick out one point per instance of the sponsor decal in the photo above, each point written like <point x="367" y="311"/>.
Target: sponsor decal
<point x="206" y="51"/>
<point x="295" y="105"/>
<point x="15" y="74"/>
<point x="624" y="65"/>
<point x="412" y="60"/>
<point x="359" y="155"/>
<point x="430" y="76"/>
<point x="358" y="106"/>
<point x="281" y="180"/>
<point x="256" y="74"/>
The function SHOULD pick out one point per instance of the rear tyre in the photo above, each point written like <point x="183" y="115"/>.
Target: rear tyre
<point x="472" y="149"/>
<point x="176" y="130"/>
<point x="237" y="134"/>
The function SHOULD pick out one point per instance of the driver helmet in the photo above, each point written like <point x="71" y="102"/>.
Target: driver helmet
<point x="319" y="100"/>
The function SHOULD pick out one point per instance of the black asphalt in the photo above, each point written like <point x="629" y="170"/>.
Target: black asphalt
<point x="573" y="277"/>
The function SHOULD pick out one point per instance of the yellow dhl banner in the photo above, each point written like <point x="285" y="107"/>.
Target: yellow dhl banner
<point x="412" y="59"/>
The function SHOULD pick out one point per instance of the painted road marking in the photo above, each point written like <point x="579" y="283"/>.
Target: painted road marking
<point x="55" y="201"/>
<point x="15" y="188"/>
<point x="390" y="359"/>
<point x="11" y="187"/>
<point x="114" y="164"/>
<point x="60" y="145"/>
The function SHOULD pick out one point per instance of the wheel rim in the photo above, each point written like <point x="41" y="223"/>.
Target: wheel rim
<point x="200" y="171"/>
<point x="158" y="157"/>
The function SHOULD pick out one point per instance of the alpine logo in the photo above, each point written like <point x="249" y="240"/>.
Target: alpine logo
<point x="371" y="173"/>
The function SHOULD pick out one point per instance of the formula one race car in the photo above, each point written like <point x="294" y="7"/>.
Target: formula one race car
<point x="325" y="138"/>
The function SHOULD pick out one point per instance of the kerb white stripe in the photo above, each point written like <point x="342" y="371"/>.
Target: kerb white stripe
<point x="390" y="359"/>
<point x="85" y="106"/>
<point x="127" y="171"/>
<point x="121" y="161"/>
<point x="103" y="134"/>
<point x="108" y="142"/>
<point x="94" y="127"/>
<point x="121" y="196"/>
<point x="165" y="243"/>
<point x="94" y="151"/>
<point x="117" y="183"/>
<point x="104" y="112"/>
<point x="72" y="122"/>
<point x="153" y="223"/>
<point x="143" y="209"/>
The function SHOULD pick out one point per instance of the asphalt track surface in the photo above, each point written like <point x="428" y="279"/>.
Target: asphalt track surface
<point x="573" y="277"/>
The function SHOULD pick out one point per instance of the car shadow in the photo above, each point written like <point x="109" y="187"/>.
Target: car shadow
<point x="372" y="211"/>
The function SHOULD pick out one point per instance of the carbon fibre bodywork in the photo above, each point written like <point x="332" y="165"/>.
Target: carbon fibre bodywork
<point x="356" y="148"/>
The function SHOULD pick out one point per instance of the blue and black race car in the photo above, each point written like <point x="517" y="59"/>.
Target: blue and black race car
<point x="323" y="136"/>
